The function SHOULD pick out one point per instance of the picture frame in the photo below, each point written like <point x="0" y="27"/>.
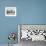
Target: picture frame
<point x="39" y="35"/>
<point x="10" y="11"/>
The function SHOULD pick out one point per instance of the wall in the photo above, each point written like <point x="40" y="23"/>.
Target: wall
<point x="28" y="12"/>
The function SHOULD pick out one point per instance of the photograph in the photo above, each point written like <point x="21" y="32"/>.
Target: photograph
<point x="29" y="33"/>
<point x="10" y="11"/>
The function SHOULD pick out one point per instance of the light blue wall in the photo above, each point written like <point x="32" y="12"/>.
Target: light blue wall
<point x="28" y="12"/>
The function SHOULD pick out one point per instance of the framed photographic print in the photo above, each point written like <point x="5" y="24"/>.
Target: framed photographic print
<point x="10" y="11"/>
<point x="33" y="32"/>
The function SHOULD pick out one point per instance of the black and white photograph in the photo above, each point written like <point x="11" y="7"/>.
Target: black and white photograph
<point x="10" y="11"/>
